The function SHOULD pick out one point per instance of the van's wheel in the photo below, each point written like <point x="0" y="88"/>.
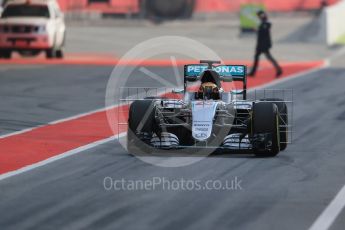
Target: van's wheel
<point x="141" y="119"/>
<point x="6" y="54"/>
<point x="266" y="120"/>
<point x="283" y="121"/>
<point x="59" y="54"/>
<point x="51" y="53"/>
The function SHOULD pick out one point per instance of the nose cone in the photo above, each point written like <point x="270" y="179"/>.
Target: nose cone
<point x="203" y="113"/>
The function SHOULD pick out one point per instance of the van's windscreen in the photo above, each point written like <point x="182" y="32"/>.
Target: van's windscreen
<point x="25" y="10"/>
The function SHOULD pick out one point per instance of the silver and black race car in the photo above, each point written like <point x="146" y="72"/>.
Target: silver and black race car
<point x="209" y="117"/>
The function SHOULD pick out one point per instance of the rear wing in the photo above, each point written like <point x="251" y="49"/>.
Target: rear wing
<point x="227" y="73"/>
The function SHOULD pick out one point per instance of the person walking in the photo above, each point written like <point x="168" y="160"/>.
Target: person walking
<point x="264" y="44"/>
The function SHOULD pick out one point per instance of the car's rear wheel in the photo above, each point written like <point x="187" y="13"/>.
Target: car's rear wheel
<point x="283" y="121"/>
<point x="140" y="120"/>
<point x="265" y="120"/>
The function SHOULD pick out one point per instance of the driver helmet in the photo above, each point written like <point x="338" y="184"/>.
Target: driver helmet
<point x="209" y="88"/>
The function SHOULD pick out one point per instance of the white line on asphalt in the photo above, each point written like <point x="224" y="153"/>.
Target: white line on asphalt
<point x="57" y="121"/>
<point x="333" y="210"/>
<point x="330" y="214"/>
<point x="100" y="142"/>
<point x="114" y="106"/>
<point x="68" y="118"/>
<point x="293" y="76"/>
<point x="58" y="157"/>
<point x="337" y="54"/>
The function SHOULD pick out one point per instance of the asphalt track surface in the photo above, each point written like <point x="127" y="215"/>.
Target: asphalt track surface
<point x="286" y="192"/>
<point x="35" y="95"/>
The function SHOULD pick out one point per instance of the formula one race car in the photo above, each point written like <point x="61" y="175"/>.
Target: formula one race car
<point x="209" y="118"/>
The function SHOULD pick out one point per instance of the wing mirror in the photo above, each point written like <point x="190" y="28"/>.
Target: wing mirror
<point x="226" y="79"/>
<point x="178" y="91"/>
<point x="237" y="92"/>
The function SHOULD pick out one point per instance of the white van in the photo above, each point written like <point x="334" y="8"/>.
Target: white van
<point x="30" y="27"/>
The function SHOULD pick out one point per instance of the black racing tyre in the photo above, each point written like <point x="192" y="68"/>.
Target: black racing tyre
<point x="141" y="119"/>
<point x="266" y="120"/>
<point x="283" y="121"/>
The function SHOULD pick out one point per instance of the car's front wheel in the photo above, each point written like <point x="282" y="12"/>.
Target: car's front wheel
<point x="141" y="120"/>
<point x="283" y="121"/>
<point x="265" y="120"/>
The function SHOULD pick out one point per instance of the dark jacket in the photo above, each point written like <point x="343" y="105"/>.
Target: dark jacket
<point x="264" y="37"/>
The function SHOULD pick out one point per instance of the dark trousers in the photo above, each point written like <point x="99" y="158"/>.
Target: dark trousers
<point x="268" y="56"/>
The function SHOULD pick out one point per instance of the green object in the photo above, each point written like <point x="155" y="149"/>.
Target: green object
<point x="248" y="18"/>
<point x="341" y="40"/>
